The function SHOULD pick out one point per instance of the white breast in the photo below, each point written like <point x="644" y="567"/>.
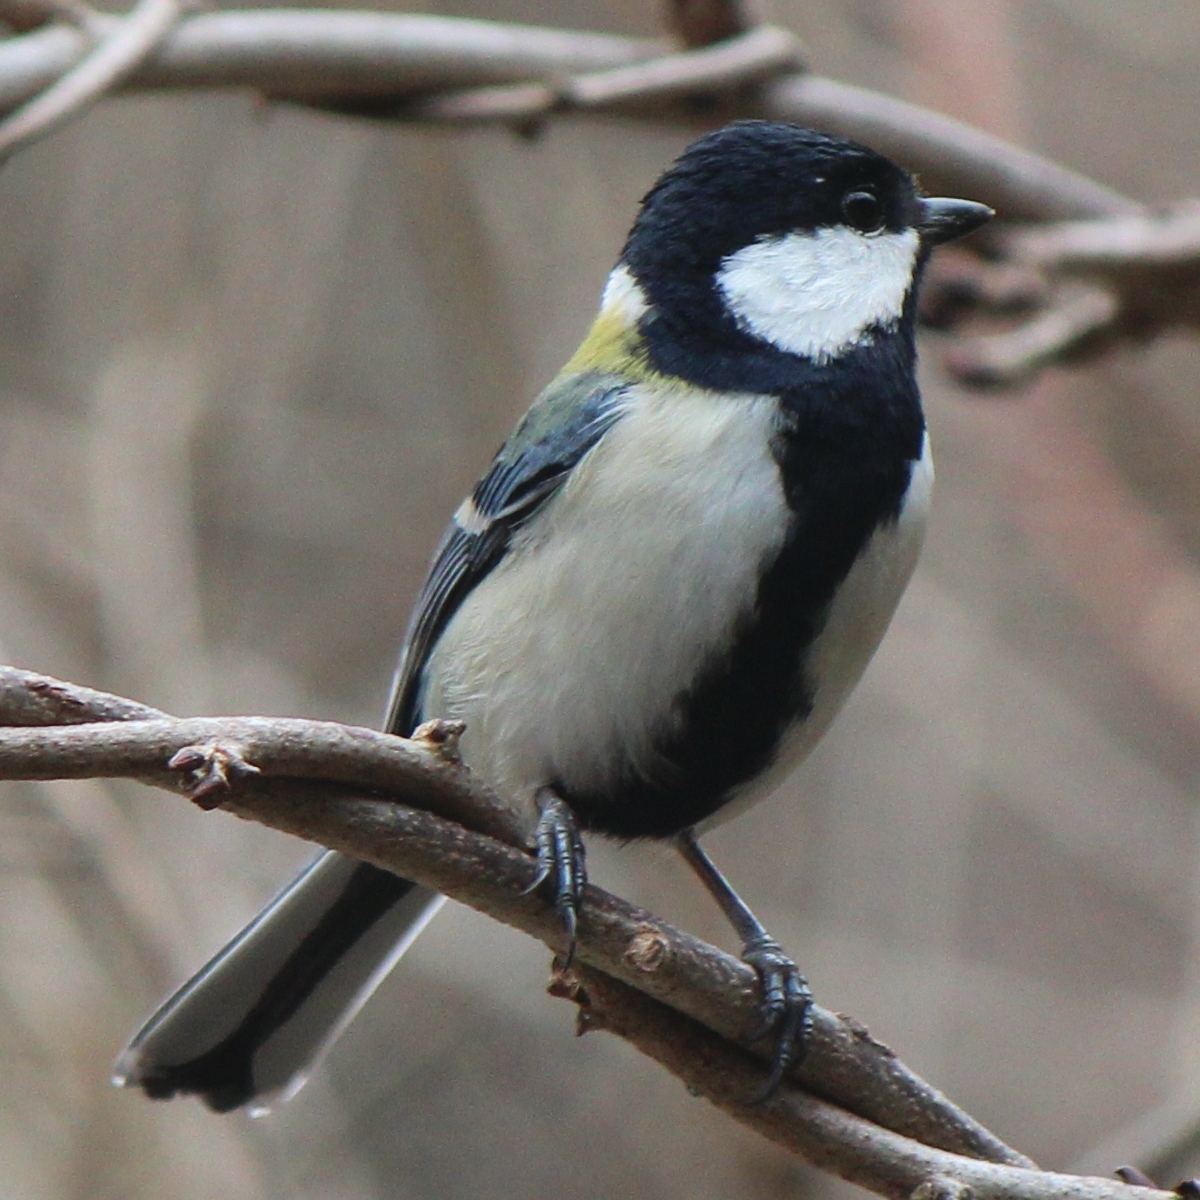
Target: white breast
<point x="579" y="642"/>
<point x="861" y="611"/>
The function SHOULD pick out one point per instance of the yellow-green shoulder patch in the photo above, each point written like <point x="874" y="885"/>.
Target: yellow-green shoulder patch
<point x="614" y="347"/>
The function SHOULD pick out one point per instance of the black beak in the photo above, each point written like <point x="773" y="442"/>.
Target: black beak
<point x="943" y="220"/>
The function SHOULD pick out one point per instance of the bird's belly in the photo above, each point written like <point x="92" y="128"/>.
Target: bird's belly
<point x="859" y="615"/>
<point x="568" y="661"/>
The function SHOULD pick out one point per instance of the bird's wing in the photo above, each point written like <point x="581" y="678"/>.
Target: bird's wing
<point x="567" y="420"/>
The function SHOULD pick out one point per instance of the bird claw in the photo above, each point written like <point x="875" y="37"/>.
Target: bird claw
<point x="786" y="1007"/>
<point x="561" y="856"/>
<point x="544" y="870"/>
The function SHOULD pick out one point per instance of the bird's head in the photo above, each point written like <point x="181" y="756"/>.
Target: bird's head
<point x="766" y="238"/>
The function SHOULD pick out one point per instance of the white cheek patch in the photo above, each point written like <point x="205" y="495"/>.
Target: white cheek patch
<point x="623" y="297"/>
<point x="817" y="294"/>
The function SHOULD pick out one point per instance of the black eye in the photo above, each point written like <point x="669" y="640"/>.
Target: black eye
<point x="862" y="211"/>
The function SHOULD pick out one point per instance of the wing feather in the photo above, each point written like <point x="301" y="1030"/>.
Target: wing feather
<point x="567" y="421"/>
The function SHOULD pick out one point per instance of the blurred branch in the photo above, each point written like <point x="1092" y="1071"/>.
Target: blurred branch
<point x="742" y="59"/>
<point x="1079" y="286"/>
<point x="118" y="52"/>
<point x="323" y="781"/>
<point x="949" y="155"/>
<point x="382" y="63"/>
<point x="1075" y="321"/>
<point x="309" y="55"/>
<point x="1112" y="273"/>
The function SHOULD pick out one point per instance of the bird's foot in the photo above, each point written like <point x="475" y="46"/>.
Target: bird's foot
<point x="561" y="857"/>
<point x="786" y="1007"/>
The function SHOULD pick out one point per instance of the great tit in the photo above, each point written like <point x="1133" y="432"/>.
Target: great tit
<point x="661" y="592"/>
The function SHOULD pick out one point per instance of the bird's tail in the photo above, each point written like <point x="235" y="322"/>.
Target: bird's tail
<point x="247" y="1028"/>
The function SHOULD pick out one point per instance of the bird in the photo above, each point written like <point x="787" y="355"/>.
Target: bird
<point x="659" y="594"/>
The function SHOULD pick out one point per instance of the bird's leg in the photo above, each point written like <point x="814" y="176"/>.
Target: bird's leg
<point x="786" y="999"/>
<point x="560" y="855"/>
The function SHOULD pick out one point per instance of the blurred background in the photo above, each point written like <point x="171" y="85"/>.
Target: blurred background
<point x="251" y="358"/>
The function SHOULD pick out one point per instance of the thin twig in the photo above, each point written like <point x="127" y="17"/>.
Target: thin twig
<point x="950" y="156"/>
<point x="825" y="1135"/>
<point x="1077" y="314"/>
<point x="116" y="56"/>
<point x="380" y="63"/>
<point x="633" y="945"/>
<point x="303" y="54"/>
<point x="278" y="747"/>
<point x="1089" y="284"/>
<point x="1140" y="278"/>
<point x="1170" y="238"/>
<point x="746" y="58"/>
<point x="27" y="698"/>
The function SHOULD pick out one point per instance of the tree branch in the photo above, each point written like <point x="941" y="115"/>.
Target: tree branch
<point x="309" y="55"/>
<point x="1078" y="287"/>
<point x="128" y="42"/>
<point x="328" y="805"/>
<point x="708" y="71"/>
<point x="820" y="1132"/>
<point x="1116" y="272"/>
<point x="381" y="62"/>
<point x="949" y="155"/>
<point x="680" y="1001"/>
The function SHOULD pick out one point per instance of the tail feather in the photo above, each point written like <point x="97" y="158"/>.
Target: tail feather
<point x="247" y="1028"/>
